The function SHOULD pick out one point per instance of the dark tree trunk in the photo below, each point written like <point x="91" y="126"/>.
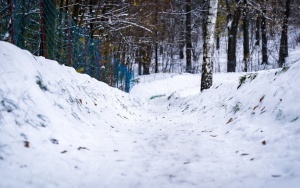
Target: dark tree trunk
<point x="232" y="35"/>
<point x="50" y="18"/>
<point x="283" y="51"/>
<point x="156" y="38"/>
<point x="257" y="30"/>
<point x="139" y="68"/>
<point x="218" y="32"/>
<point x="181" y="53"/>
<point x="181" y="38"/>
<point x="218" y="42"/>
<point x="264" y="39"/>
<point x="61" y="4"/>
<point x="67" y="6"/>
<point x="42" y="30"/>
<point x="246" y="41"/>
<point x="75" y="13"/>
<point x="91" y="24"/>
<point x="188" y="36"/>
<point x="11" y="23"/>
<point x="146" y="58"/>
<point x="156" y="57"/>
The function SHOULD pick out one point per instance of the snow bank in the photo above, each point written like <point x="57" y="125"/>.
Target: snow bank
<point x="254" y="118"/>
<point x="50" y="118"/>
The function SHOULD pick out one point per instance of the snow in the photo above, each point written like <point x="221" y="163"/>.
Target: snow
<point x="59" y="128"/>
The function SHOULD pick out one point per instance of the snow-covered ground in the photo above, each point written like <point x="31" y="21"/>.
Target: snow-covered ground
<point x="59" y="128"/>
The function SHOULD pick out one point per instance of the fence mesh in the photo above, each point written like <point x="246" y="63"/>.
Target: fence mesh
<point x="39" y="27"/>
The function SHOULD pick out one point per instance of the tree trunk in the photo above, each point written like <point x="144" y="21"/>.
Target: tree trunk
<point x="49" y="11"/>
<point x="156" y="37"/>
<point x="264" y="39"/>
<point x="181" y="39"/>
<point x="232" y="33"/>
<point x="67" y="6"/>
<point x="11" y="23"/>
<point x="218" y="31"/>
<point x="42" y="30"/>
<point x="188" y="36"/>
<point x="75" y="13"/>
<point x="257" y="30"/>
<point x="91" y="23"/>
<point x="283" y="51"/>
<point x="218" y="42"/>
<point x="146" y="58"/>
<point x="208" y="45"/>
<point x="246" y="35"/>
<point x="139" y="60"/>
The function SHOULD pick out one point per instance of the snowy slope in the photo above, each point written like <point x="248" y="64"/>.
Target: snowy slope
<point x="56" y="124"/>
<point x="59" y="128"/>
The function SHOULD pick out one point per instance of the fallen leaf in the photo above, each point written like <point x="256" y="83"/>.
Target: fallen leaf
<point x="26" y="144"/>
<point x="276" y="176"/>
<point x="230" y="120"/>
<point x="255" y="107"/>
<point x="23" y="166"/>
<point x="80" y="148"/>
<point x="261" y="99"/>
<point x="244" y="154"/>
<point x="54" y="141"/>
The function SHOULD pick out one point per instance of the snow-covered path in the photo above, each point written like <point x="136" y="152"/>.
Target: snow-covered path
<point x="59" y="128"/>
<point x="175" y="149"/>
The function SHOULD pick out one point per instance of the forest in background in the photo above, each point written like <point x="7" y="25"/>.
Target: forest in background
<point x="151" y="36"/>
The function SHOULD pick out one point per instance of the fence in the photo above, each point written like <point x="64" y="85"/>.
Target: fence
<point x="36" y="25"/>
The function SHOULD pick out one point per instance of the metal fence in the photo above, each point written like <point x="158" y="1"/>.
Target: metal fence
<point x="39" y="27"/>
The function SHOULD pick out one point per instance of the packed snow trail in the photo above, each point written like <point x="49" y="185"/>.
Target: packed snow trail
<point x="187" y="151"/>
<point x="59" y="128"/>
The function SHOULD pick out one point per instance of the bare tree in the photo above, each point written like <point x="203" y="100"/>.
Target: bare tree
<point x="188" y="35"/>
<point x="208" y="45"/>
<point x="264" y="38"/>
<point x="233" y="22"/>
<point x="246" y="34"/>
<point x="283" y="51"/>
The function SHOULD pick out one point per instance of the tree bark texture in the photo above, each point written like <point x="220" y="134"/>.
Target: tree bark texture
<point x="283" y="50"/>
<point x="246" y="41"/>
<point x="208" y="45"/>
<point x="232" y="36"/>
<point x="264" y="38"/>
<point x="257" y="30"/>
<point x="146" y="58"/>
<point x="156" y="38"/>
<point x="188" y="36"/>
